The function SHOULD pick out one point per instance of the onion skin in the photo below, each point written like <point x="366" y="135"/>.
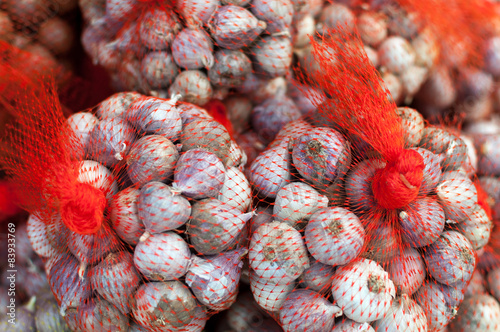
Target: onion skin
<point x="404" y="315"/>
<point x="407" y="271"/>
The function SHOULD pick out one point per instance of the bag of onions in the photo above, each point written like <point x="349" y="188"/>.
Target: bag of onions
<point x="367" y="218"/>
<point x="139" y="206"/>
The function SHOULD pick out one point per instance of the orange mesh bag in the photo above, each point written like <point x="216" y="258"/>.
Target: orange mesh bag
<point x="367" y="217"/>
<point x="139" y="207"/>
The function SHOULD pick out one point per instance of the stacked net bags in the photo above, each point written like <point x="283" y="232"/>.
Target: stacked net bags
<point x="367" y="217"/>
<point x="138" y="206"/>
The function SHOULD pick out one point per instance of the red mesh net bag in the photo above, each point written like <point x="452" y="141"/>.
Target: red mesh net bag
<point x="139" y="207"/>
<point x="367" y="217"/>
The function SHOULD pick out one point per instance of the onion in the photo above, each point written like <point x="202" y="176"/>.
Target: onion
<point x="37" y="234"/>
<point x="160" y="208"/>
<point x="194" y="87"/>
<point x="433" y="302"/>
<point x="358" y="185"/>
<point x="477" y="284"/>
<point x="297" y="201"/>
<point x="422" y="222"/>
<point x="432" y="171"/>
<point x="199" y="174"/>
<point x="318" y="277"/>
<point x="151" y="158"/>
<point x="452" y="148"/>
<point x="109" y="140"/>
<point x="164" y="305"/>
<point x="269" y="293"/>
<point x="215" y="280"/>
<point x="407" y="271"/>
<point x="322" y="155"/>
<point x="404" y="315"/>
<point x="157" y="28"/>
<point x="451" y="259"/>
<point x="477" y="228"/>
<point x="351" y="326"/>
<point x="457" y="195"/>
<point x="124" y="218"/>
<point x="272" y="55"/>
<point x="208" y="135"/>
<point x="81" y="124"/>
<point x="230" y="68"/>
<point x="116" y="105"/>
<point x="47" y="317"/>
<point x="236" y="190"/>
<point x="158" y="69"/>
<point x="116" y="279"/>
<point x="99" y="177"/>
<point x="270" y="171"/>
<point x="173" y="262"/>
<point x="234" y="27"/>
<point x="334" y="236"/>
<point x="363" y="290"/>
<point x="277" y="252"/>
<point x="413" y="125"/>
<point x="215" y="226"/>
<point x="493" y="282"/>
<point x="100" y="314"/>
<point x="193" y="49"/>
<point x="277" y="15"/>
<point x="305" y="310"/>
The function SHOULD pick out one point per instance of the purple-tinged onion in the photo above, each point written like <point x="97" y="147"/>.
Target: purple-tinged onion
<point x="457" y="195"/>
<point x="451" y="259"/>
<point x="100" y="315"/>
<point x="270" y="171"/>
<point x="230" y="69"/>
<point x="451" y="147"/>
<point x="81" y="125"/>
<point x="318" y="277"/>
<point x="239" y="108"/>
<point x="303" y="29"/>
<point x="116" y="105"/>
<point x="407" y="271"/>
<point x="90" y="249"/>
<point x="491" y="184"/>
<point x="157" y="28"/>
<point x="396" y="54"/>
<point x="116" y="10"/>
<point x="70" y="287"/>
<point x="382" y="241"/>
<point x="305" y="310"/>
<point x="372" y="27"/>
<point x="272" y="55"/>
<point x="199" y="174"/>
<point x="193" y="86"/>
<point x="432" y="171"/>
<point x="151" y="158"/>
<point x="297" y="201"/>
<point x="476" y="228"/>
<point x="358" y="186"/>
<point x="197" y="13"/>
<point x="334" y="236"/>
<point x="215" y="226"/>
<point x="269" y="293"/>
<point x="215" y="280"/>
<point x="234" y="27"/>
<point x="209" y="135"/>
<point x="348" y="325"/>
<point x="124" y="218"/>
<point x="259" y="88"/>
<point x="237" y="157"/>
<point x="277" y="14"/>
<point x="272" y="115"/>
<point x="422" y="222"/>
<point x="277" y="252"/>
<point x="116" y="279"/>
<point x="161" y="209"/>
<point x="236" y="190"/>
<point x="110" y="140"/>
<point x="477" y="313"/>
<point x="363" y="290"/>
<point x="198" y="322"/>
<point x="164" y="305"/>
<point x="163" y="256"/>
<point x="321" y="156"/>
<point x="193" y="49"/>
<point x="156" y="116"/>
<point x="158" y="69"/>
<point x="404" y="315"/>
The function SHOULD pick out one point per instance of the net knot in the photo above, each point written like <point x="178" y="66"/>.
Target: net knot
<point x="398" y="183"/>
<point x="82" y="208"/>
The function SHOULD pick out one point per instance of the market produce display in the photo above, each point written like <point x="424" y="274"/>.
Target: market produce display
<point x="263" y="166"/>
